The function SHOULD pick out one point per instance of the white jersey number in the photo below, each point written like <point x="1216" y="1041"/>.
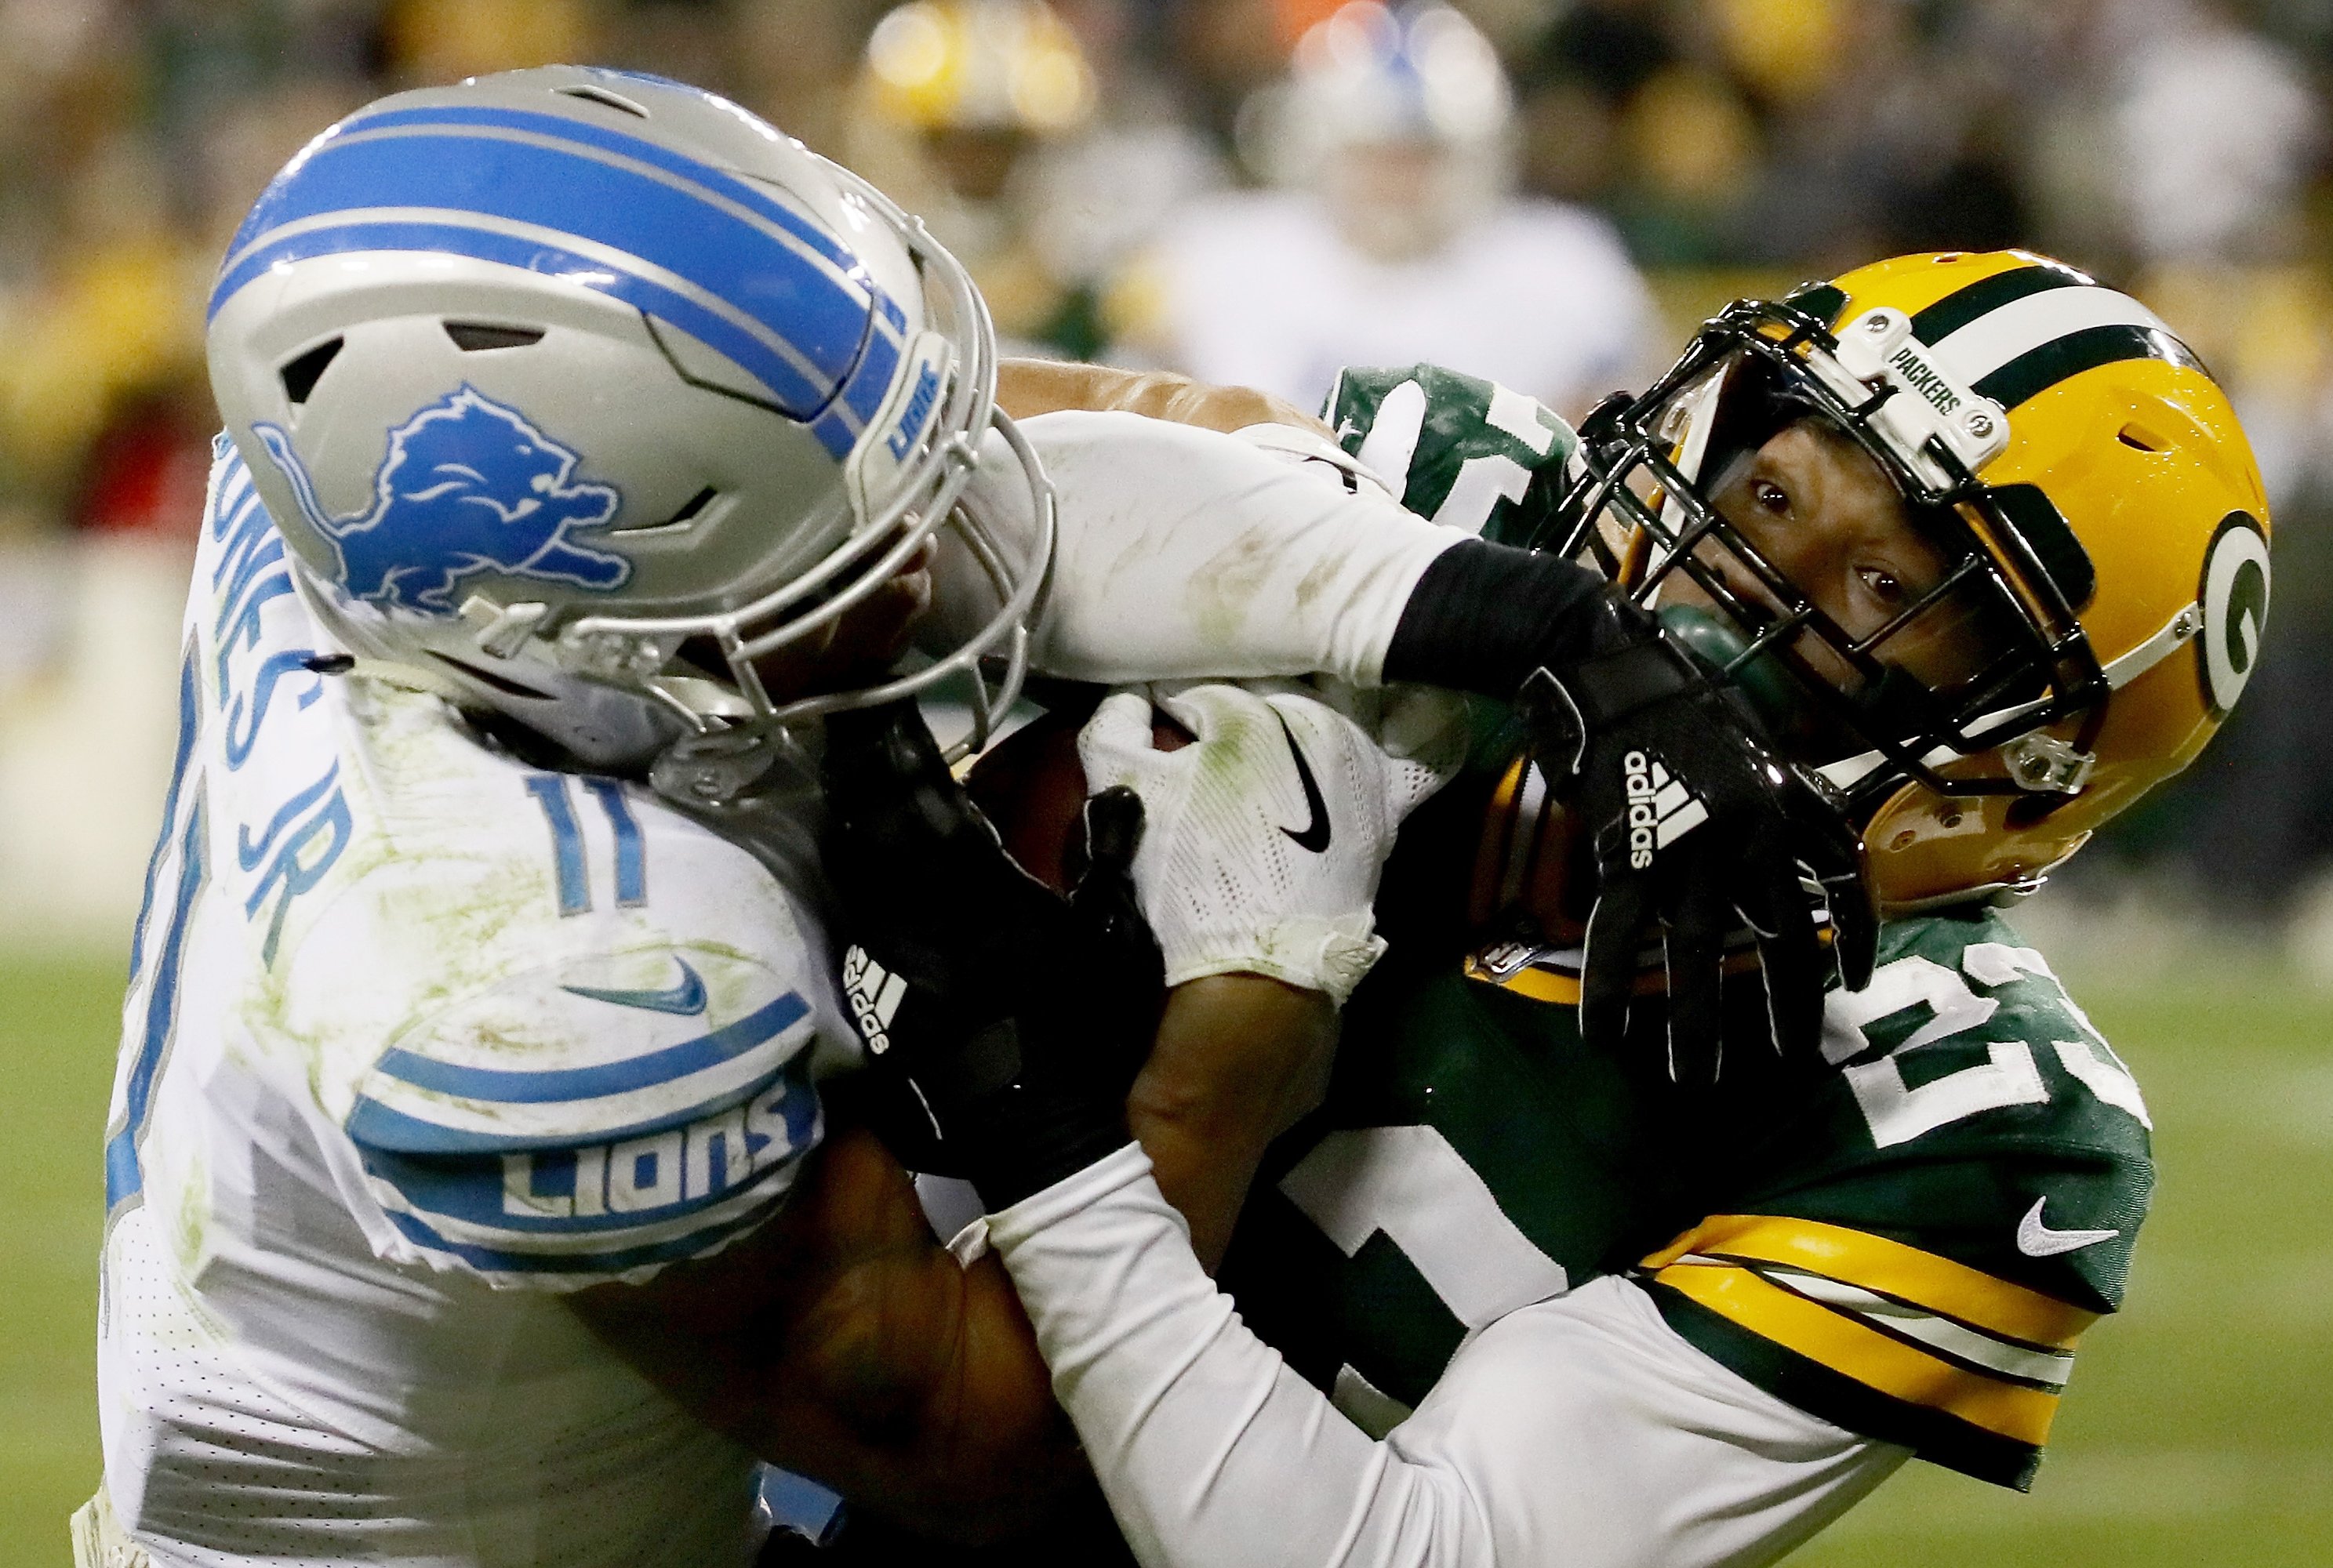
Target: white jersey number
<point x="1898" y="1112"/>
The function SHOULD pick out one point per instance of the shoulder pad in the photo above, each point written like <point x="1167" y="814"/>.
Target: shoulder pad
<point x="593" y="1120"/>
<point x="1984" y="1115"/>
<point x="610" y="1046"/>
<point x="1944" y="1221"/>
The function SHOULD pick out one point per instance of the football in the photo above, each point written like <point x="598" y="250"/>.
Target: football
<point x="1031" y="787"/>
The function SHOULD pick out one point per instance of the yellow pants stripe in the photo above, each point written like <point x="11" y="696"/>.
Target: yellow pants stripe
<point x="1871" y="1358"/>
<point x="1890" y="1268"/>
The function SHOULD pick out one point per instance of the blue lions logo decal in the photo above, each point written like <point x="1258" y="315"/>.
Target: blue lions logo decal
<point x="469" y="485"/>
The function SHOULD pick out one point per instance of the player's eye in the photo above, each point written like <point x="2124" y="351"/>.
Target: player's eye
<point x="1883" y="585"/>
<point x="1771" y="499"/>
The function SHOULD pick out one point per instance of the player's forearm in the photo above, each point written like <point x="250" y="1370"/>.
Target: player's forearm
<point x="1577" y="1431"/>
<point x="1211" y="1452"/>
<point x="1479" y="619"/>
<point x="1028" y="387"/>
<point x="1237" y="1060"/>
<point x="1186" y="553"/>
<point x="842" y="1342"/>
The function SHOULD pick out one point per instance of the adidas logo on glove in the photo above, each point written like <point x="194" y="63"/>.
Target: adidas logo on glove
<point x="1661" y="810"/>
<point x="873" y="993"/>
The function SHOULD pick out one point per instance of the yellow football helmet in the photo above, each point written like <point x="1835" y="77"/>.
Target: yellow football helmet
<point x="2102" y="521"/>
<point x="979" y="66"/>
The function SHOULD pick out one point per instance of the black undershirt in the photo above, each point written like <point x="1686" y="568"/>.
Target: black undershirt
<point x="1485" y="615"/>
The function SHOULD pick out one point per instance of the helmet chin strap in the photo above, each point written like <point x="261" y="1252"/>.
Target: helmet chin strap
<point x="601" y="726"/>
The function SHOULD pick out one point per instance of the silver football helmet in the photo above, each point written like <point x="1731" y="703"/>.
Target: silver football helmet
<point x="1402" y="121"/>
<point x="580" y="392"/>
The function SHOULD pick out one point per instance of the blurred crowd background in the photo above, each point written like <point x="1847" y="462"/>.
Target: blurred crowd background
<point x="1547" y="192"/>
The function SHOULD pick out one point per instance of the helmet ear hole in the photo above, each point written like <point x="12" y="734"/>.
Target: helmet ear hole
<point x="301" y="374"/>
<point x="703" y="655"/>
<point x="688" y="512"/>
<point x="477" y="337"/>
<point x="2133" y="436"/>
<point x="605" y="100"/>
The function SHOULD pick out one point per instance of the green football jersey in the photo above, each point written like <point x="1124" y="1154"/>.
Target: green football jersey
<point x="1466" y="453"/>
<point x="1906" y="1240"/>
<point x="1907" y="1243"/>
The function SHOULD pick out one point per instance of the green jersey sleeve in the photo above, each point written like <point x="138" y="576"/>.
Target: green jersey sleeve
<point x="1466" y="453"/>
<point x="1925" y="1238"/>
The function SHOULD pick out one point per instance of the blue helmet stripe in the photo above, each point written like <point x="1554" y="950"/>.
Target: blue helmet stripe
<point x="863" y="393"/>
<point x="295" y="194"/>
<point x="802" y="301"/>
<point x="794" y="393"/>
<point x="712" y="177"/>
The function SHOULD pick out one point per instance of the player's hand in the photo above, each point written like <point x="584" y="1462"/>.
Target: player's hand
<point x="1701" y="829"/>
<point x="1264" y="837"/>
<point x="1018" y="1017"/>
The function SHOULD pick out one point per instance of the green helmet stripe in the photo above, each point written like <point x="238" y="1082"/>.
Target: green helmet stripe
<point x="2040" y="368"/>
<point x="1986" y="295"/>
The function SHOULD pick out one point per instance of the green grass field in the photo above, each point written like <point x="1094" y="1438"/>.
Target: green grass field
<point x="58" y="1022"/>
<point x="2198" y="1432"/>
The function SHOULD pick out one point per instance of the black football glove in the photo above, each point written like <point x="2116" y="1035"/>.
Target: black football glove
<point x="1016" y="1017"/>
<point x="1700" y="828"/>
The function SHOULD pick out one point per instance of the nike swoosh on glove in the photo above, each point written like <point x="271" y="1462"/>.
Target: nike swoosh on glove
<point x="1263" y="839"/>
<point x="1700" y="826"/>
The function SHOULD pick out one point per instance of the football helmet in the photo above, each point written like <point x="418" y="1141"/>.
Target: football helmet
<point x="979" y="66"/>
<point x="581" y="392"/>
<point x="2101" y="522"/>
<point x="1403" y="121"/>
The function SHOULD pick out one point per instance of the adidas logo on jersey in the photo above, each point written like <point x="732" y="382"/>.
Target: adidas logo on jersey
<point x="874" y="994"/>
<point x="1661" y="809"/>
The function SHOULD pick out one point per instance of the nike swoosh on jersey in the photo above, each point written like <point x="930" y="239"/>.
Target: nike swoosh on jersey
<point x="1315" y="837"/>
<point x="685" y="999"/>
<point x="2036" y="1240"/>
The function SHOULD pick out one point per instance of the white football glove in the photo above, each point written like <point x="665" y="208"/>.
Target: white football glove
<point x="1263" y="839"/>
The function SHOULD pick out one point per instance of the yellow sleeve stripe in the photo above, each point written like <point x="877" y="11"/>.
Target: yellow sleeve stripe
<point x="1544" y="983"/>
<point x="1537" y="983"/>
<point x="1871" y="1358"/>
<point x="1889" y="1267"/>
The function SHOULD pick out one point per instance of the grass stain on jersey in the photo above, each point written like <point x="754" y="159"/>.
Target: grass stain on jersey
<point x="189" y="1225"/>
<point x="1222" y="590"/>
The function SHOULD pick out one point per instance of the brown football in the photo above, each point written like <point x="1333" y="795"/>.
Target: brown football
<point x="1031" y="786"/>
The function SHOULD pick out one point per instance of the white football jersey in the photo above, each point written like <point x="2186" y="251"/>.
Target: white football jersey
<point x="1259" y="290"/>
<point x="416" y="1037"/>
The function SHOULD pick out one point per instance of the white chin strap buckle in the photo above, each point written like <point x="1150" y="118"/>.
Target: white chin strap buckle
<point x="2044" y="764"/>
<point x="502" y="630"/>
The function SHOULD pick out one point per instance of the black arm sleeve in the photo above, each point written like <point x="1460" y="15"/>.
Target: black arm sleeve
<point x="1485" y="615"/>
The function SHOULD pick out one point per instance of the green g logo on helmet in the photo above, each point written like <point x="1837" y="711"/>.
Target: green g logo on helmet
<point x="2234" y="597"/>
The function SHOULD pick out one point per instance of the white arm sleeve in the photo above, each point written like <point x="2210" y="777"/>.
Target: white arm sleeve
<point x="1186" y="553"/>
<point x="1579" y="1432"/>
